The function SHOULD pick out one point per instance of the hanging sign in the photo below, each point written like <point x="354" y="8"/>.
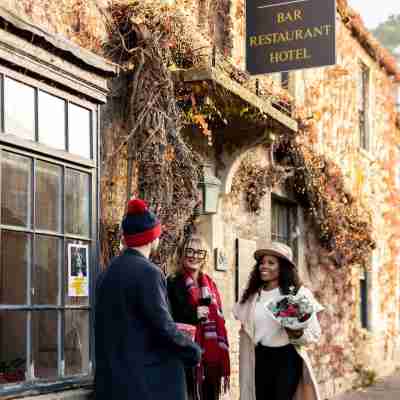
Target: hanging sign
<point x="287" y="35"/>
<point x="78" y="271"/>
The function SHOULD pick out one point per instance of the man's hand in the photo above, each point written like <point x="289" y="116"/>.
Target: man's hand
<point x="294" y="334"/>
<point x="199" y="353"/>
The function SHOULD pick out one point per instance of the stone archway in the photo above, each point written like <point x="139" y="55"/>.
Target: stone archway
<point x="232" y="164"/>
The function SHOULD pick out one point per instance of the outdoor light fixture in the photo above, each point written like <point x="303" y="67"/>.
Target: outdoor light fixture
<point x="210" y="187"/>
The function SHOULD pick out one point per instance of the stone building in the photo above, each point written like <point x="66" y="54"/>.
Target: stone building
<point x="338" y="123"/>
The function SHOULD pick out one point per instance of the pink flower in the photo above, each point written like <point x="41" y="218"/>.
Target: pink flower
<point x="291" y="311"/>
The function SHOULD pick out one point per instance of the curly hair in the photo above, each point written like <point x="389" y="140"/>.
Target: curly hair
<point x="288" y="276"/>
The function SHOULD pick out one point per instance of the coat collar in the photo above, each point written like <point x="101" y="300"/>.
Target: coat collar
<point x="134" y="252"/>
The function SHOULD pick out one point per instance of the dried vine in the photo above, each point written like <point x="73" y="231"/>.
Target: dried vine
<point x="160" y="166"/>
<point x="255" y="180"/>
<point x="343" y="226"/>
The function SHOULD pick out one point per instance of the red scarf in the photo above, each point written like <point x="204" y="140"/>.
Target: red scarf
<point x="211" y="335"/>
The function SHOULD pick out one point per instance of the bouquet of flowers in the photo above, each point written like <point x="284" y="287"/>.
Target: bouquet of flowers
<point x="188" y="330"/>
<point x="293" y="311"/>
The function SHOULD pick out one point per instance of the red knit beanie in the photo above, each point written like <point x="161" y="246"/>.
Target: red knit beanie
<point x="140" y="226"/>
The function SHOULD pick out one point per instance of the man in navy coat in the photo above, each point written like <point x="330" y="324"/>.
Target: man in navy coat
<point x="140" y="354"/>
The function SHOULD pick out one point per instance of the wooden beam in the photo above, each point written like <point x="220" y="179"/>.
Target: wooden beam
<point x="220" y="78"/>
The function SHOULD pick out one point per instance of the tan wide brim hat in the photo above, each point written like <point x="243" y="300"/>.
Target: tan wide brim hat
<point x="277" y="249"/>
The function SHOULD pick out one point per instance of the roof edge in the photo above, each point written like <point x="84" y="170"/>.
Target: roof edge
<point x="75" y="53"/>
<point x="353" y="21"/>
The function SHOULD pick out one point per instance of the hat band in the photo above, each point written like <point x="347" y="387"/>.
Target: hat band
<point x="271" y="252"/>
<point x="143" y="238"/>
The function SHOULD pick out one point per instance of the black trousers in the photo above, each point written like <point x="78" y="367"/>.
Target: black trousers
<point x="278" y="372"/>
<point x="209" y="391"/>
<point x="206" y="391"/>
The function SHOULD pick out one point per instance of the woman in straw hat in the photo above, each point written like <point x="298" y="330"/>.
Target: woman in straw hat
<point x="195" y="300"/>
<point x="273" y="362"/>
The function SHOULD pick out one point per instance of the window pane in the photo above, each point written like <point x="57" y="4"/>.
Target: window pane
<point x="77" y="273"/>
<point x="45" y="271"/>
<point x="51" y="120"/>
<point x="14" y="264"/>
<point x="77" y="196"/>
<point x="79" y="137"/>
<point x="16" y="196"/>
<point x="44" y="344"/>
<point x="284" y="223"/>
<point x="274" y="219"/>
<point x="19" y="107"/>
<point x="285" y="80"/>
<point x="12" y="346"/>
<point x="363" y="303"/>
<point x="76" y="342"/>
<point x="280" y="222"/>
<point x="94" y="133"/>
<point x="48" y="196"/>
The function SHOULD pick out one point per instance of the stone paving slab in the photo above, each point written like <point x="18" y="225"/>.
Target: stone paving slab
<point x="386" y="389"/>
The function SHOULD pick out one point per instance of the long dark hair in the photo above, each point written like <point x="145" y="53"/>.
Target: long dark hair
<point x="288" y="276"/>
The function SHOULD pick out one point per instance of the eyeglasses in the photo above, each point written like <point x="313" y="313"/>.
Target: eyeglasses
<point x="192" y="253"/>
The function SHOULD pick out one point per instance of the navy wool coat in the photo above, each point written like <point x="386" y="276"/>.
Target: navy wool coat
<point x="140" y="355"/>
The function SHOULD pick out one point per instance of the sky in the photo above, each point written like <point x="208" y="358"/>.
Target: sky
<point x="375" y="11"/>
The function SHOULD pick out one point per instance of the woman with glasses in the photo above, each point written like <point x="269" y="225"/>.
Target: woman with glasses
<point x="273" y="362"/>
<point x="195" y="300"/>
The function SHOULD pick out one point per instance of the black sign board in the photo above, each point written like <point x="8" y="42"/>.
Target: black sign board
<point x="283" y="35"/>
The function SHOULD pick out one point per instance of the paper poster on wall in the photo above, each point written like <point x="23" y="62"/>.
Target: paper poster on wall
<point x="78" y="270"/>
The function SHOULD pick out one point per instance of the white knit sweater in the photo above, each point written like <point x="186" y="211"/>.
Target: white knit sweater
<point x="268" y="331"/>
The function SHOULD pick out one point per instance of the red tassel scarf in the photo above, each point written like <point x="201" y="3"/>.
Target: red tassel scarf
<point x="211" y="335"/>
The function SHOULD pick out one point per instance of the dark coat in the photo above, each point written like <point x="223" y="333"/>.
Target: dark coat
<point x="140" y="355"/>
<point x="181" y="309"/>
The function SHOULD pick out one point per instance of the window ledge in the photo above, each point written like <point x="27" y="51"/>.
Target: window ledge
<point x="53" y="392"/>
<point x="45" y="151"/>
<point x="80" y="394"/>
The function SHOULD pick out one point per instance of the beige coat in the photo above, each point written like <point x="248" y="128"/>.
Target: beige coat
<point x="307" y="388"/>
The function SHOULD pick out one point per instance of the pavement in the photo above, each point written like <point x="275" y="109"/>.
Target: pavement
<point x="385" y="389"/>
